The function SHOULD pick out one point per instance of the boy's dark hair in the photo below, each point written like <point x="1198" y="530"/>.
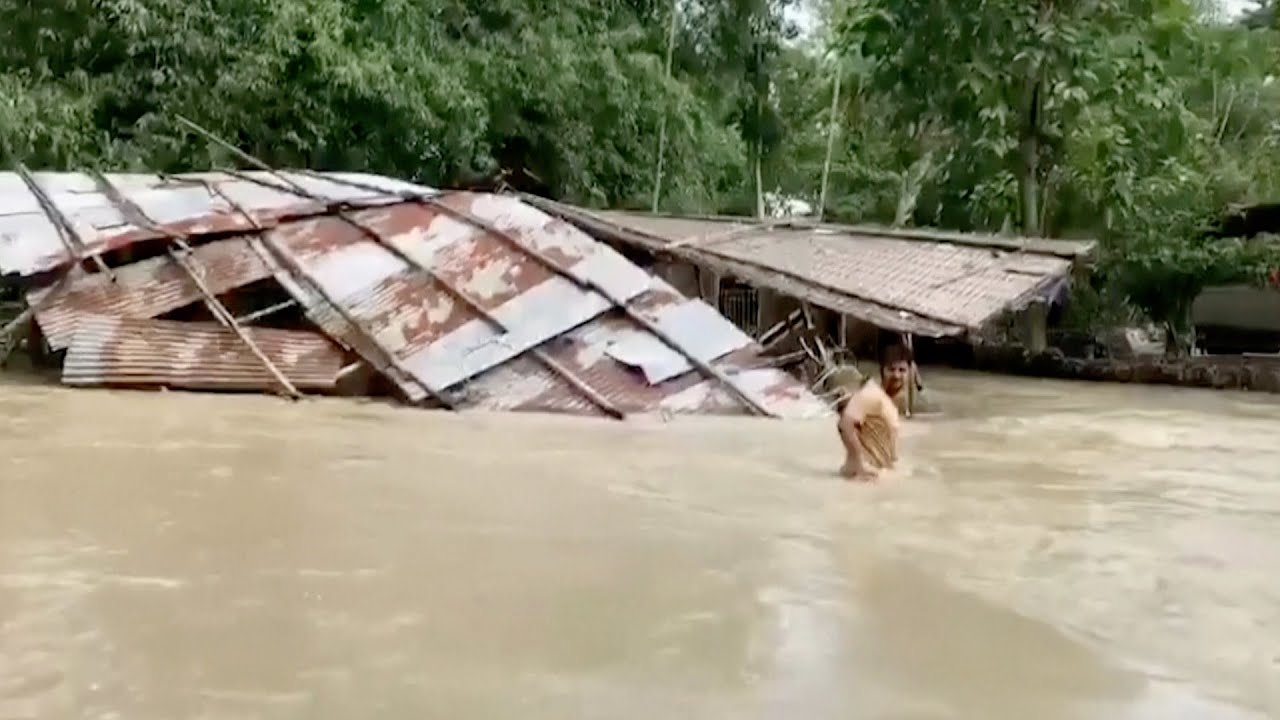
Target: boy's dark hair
<point x="895" y="353"/>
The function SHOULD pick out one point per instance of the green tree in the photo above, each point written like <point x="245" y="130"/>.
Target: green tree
<point x="564" y="96"/>
<point x="1084" y="118"/>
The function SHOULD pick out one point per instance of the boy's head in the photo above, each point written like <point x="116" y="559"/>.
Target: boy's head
<point x="895" y="368"/>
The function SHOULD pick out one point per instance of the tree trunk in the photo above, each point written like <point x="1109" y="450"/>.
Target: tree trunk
<point x="759" y="184"/>
<point x="1029" y="149"/>
<point x="831" y="142"/>
<point x="909" y="188"/>
<point x="1029" y="161"/>
<point x="1180" y="332"/>
<point x="761" y="88"/>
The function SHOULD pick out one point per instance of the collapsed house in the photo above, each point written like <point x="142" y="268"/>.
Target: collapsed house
<point x="858" y="281"/>
<point x="300" y="282"/>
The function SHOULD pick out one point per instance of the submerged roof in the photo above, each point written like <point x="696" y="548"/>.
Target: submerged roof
<point x="467" y="299"/>
<point x="115" y="350"/>
<point x="924" y="282"/>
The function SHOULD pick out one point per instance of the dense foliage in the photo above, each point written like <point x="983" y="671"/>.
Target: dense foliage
<point x="1135" y="121"/>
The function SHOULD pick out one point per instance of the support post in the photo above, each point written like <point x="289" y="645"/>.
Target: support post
<point x="913" y="379"/>
<point x="1035" y="331"/>
<point x="709" y="282"/>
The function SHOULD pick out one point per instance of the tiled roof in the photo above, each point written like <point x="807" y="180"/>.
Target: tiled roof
<point x="929" y="283"/>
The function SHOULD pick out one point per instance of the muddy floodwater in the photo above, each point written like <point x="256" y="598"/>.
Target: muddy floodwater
<point x="1048" y="551"/>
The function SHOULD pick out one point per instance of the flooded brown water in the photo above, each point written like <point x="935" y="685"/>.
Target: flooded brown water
<point x="1048" y="551"/>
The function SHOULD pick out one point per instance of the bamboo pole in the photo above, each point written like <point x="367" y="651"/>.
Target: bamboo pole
<point x="66" y="232"/>
<point x="209" y="135"/>
<point x="227" y="319"/>
<point x="759" y="143"/>
<point x="264" y="312"/>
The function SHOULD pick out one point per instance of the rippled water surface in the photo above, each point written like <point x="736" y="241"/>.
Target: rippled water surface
<point x="1048" y="551"/>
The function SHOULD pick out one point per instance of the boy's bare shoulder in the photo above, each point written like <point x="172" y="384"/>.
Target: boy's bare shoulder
<point x="873" y="390"/>
<point x="870" y="400"/>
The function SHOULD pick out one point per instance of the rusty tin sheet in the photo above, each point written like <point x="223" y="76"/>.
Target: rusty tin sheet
<point x="526" y="385"/>
<point x="131" y="352"/>
<point x="145" y="289"/>
<point x="588" y="353"/>
<point x="396" y="268"/>
<point x="185" y="205"/>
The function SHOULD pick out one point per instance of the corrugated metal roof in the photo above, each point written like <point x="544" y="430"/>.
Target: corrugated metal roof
<point x="525" y="385"/>
<point x="130" y="352"/>
<point x="449" y="300"/>
<point x="440" y="341"/>
<point x="445" y="294"/>
<point x="933" y="284"/>
<point x="144" y="289"/>
<point x="193" y="204"/>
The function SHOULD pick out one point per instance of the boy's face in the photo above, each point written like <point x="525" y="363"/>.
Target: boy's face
<point x="895" y="374"/>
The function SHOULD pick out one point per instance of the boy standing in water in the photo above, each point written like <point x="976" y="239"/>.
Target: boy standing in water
<point x="868" y="426"/>
<point x="870" y="414"/>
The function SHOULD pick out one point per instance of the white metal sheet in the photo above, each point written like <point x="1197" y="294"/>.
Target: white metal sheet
<point x="539" y="314"/>
<point x="696" y="327"/>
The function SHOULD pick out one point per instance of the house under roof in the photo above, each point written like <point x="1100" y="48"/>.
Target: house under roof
<point x="929" y="283"/>
<point x="297" y="281"/>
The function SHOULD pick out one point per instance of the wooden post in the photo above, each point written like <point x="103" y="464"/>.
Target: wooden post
<point x="913" y="379"/>
<point x="11" y="335"/>
<point x="769" y="310"/>
<point x="709" y="282"/>
<point x="1035" y="332"/>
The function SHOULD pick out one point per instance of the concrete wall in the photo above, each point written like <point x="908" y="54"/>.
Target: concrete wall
<point x="1242" y="372"/>
<point x="1238" y="306"/>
